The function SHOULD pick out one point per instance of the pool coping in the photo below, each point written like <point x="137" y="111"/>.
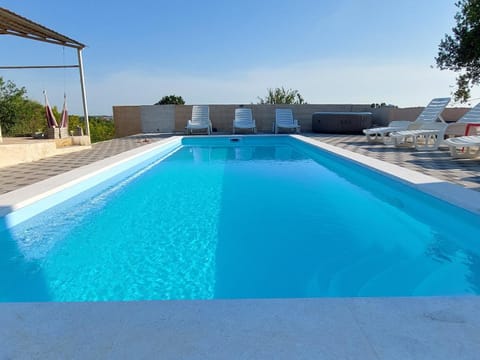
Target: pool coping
<point x="327" y="328"/>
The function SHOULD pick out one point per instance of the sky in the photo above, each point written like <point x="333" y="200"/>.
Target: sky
<point x="231" y="52"/>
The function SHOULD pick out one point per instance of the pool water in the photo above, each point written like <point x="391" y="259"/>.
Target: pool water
<point x="233" y="221"/>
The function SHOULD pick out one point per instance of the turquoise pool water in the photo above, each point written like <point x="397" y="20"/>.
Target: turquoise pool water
<point x="261" y="219"/>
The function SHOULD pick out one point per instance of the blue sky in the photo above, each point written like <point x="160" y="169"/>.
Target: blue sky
<point x="230" y="52"/>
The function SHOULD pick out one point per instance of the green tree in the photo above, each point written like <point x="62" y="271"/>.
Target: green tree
<point x="282" y="96"/>
<point x="460" y="51"/>
<point x="171" y="100"/>
<point x="31" y="118"/>
<point x="100" y="129"/>
<point x="11" y="99"/>
<point x="18" y="114"/>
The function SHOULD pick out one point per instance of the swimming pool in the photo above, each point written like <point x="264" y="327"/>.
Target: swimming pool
<point x="242" y="217"/>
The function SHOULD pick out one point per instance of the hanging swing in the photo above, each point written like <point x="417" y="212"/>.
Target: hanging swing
<point x="55" y="130"/>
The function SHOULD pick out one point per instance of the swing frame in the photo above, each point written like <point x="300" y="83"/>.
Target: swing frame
<point x="16" y="25"/>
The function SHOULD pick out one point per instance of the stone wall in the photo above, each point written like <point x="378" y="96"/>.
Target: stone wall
<point x="14" y="151"/>
<point x="127" y="120"/>
<point x="131" y="120"/>
<point x="382" y="116"/>
<point x="157" y="118"/>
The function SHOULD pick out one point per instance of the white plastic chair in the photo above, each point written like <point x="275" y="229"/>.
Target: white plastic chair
<point x="200" y="119"/>
<point x="244" y="120"/>
<point x="430" y="136"/>
<point x="430" y="114"/>
<point x="284" y="120"/>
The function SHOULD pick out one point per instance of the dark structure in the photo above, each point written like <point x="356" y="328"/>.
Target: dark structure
<point x="341" y="122"/>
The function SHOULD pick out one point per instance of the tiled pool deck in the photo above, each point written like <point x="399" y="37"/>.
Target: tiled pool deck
<point x="357" y="328"/>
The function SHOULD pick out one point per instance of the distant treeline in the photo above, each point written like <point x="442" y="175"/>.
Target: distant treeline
<point x="100" y="129"/>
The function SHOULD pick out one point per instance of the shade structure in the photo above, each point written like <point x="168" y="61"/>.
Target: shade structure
<point x="14" y="24"/>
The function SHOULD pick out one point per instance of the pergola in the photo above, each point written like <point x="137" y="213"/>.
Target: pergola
<point x="13" y="24"/>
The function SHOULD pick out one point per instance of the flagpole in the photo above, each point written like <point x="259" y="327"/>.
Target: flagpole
<point x="84" y="94"/>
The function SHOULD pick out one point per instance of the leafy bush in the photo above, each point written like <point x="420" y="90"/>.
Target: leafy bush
<point x="100" y="128"/>
<point x="282" y="96"/>
<point x="171" y="100"/>
<point x="18" y="114"/>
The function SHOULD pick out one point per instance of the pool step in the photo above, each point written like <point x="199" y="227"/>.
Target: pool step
<point x="349" y="280"/>
<point x="449" y="277"/>
<point x="400" y="279"/>
<point x="319" y="283"/>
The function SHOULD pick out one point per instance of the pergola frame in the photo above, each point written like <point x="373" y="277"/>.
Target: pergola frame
<point x="13" y="24"/>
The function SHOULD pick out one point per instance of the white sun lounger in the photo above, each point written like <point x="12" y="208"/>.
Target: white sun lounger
<point x="284" y="120"/>
<point x="200" y="119"/>
<point x="379" y="134"/>
<point x="430" y="114"/>
<point x="430" y="136"/>
<point x="459" y="128"/>
<point x="464" y="147"/>
<point x="244" y="120"/>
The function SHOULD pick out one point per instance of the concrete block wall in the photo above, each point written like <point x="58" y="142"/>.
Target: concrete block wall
<point x="157" y="118"/>
<point x="264" y="114"/>
<point x="127" y="120"/>
<point x="131" y="120"/>
<point x="382" y="116"/>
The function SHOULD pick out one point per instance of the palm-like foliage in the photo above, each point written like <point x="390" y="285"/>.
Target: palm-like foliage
<point x="282" y="96"/>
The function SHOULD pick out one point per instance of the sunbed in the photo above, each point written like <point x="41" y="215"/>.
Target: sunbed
<point x="430" y="114"/>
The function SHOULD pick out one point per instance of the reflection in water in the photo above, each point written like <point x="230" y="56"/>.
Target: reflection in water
<point x="244" y="153"/>
<point x="283" y="153"/>
<point x="201" y="154"/>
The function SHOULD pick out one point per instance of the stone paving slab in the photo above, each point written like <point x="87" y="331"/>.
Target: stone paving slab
<point x="326" y="328"/>
<point x="439" y="163"/>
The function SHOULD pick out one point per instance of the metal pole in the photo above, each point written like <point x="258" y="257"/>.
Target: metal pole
<point x="84" y="94"/>
<point x="38" y="67"/>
